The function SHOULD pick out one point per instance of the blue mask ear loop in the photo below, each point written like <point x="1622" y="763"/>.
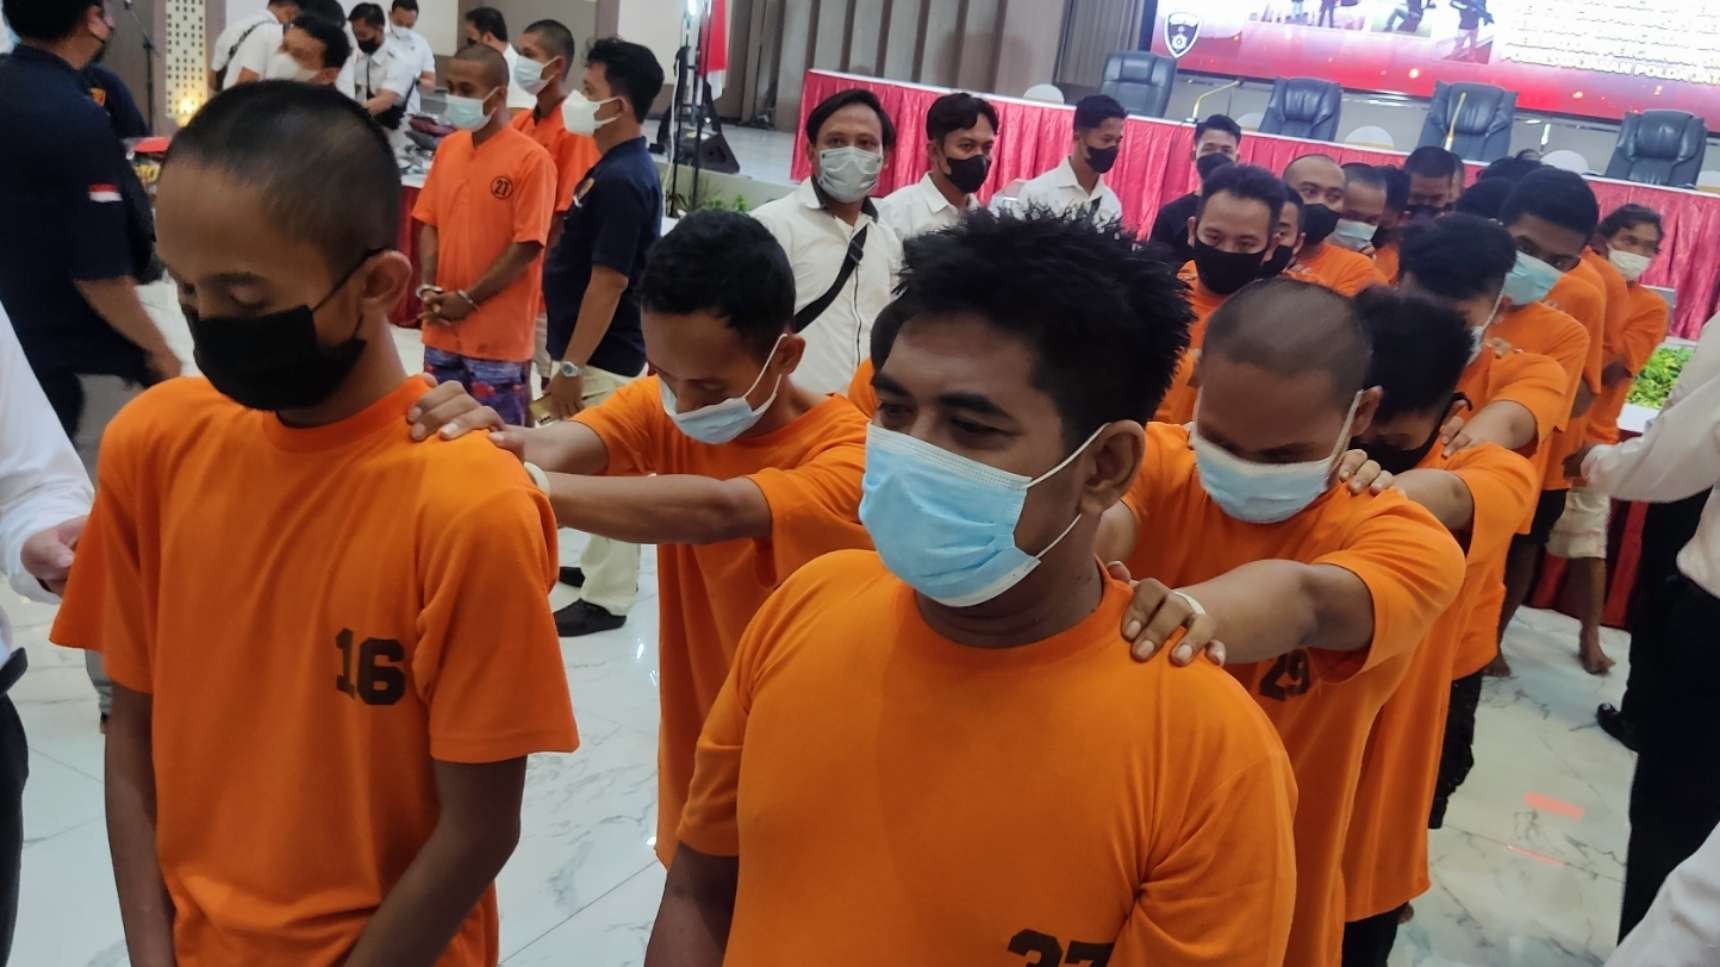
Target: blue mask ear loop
<point x="1052" y="473"/>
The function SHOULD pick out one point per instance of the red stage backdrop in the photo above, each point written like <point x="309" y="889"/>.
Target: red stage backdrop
<point x="1599" y="58"/>
<point x="1154" y="167"/>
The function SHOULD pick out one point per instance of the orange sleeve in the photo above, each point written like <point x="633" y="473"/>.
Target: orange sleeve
<point x="578" y="154"/>
<point x="1537" y="384"/>
<point x="534" y="196"/>
<point x="1222" y="891"/>
<point x="860" y="391"/>
<point x="1644" y="329"/>
<point x="1578" y="294"/>
<point x="1504" y="487"/>
<point x="814" y="509"/>
<point x="1413" y="570"/>
<point x="488" y="663"/>
<point x="109" y="604"/>
<point x="429" y="196"/>
<point x="1620" y="302"/>
<point x="630" y="423"/>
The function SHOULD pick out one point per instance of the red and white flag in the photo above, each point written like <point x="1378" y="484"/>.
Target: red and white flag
<point x="104" y="193"/>
<point x="714" y="46"/>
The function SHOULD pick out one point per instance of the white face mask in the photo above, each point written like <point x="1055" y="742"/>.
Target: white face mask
<point x="1629" y="264"/>
<point x="849" y="174"/>
<point x="466" y="113"/>
<point x="282" y="67"/>
<point x="579" y="113"/>
<point x="528" y="74"/>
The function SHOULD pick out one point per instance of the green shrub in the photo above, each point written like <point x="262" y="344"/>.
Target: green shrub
<point x="1658" y="375"/>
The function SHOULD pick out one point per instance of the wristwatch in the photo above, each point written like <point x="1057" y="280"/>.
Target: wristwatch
<point x="568" y="368"/>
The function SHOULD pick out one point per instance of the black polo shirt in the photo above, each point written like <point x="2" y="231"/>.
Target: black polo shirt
<point x="617" y="215"/>
<point x="63" y="217"/>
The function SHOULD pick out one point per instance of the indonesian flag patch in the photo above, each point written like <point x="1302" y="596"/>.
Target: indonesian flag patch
<point x="104" y="193"/>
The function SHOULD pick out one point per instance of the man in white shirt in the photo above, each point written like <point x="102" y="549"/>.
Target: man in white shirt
<point x="381" y="73"/>
<point x="961" y="131"/>
<point x="402" y="17"/>
<point x="1078" y="183"/>
<point x="44" y="496"/>
<point x="845" y="260"/>
<point x="487" y="26"/>
<point x="1682" y="928"/>
<point x="1675" y="796"/>
<point x="222" y="73"/>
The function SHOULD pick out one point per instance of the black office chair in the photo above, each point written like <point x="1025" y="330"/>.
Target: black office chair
<point x="1303" y="107"/>
<point x="1483" y="125"/>
<point x="1660" y="148"/>
<point x="1140" y="80"/>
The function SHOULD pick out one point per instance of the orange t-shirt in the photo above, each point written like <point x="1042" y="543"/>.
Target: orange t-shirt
<point x="1502" y="371"/>
<point x="1579" y="294"/>
<point x="882" y="784"/>
<point x="1202" y="300"/>
<point x="481" y="201"/>
<point x="573" y="154"/>
<point x="318" y="614"/>
<point x="1540" y="328"/>
<point x="809" y="472"/>
<point x="860" y="391"/>
<point x="1322" y="702"/>
<point x="1338" y="269"/>
<point x="1615" y="288"/>
<point x="1643" y="329"/>
<point x="1385" y="854"/>
<point x="1386" y="262"/>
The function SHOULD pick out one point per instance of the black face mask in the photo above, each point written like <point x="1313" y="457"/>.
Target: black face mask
<point x="968" y="174"/>
<point x="274" y="362"/>
<point x="1206" y="164"/>
<point x="1397" y="460"/>
<point x="1224" y="272"/>
<point x="1279" y="261"/>
<point x="370" y="46"/>
<point x="1384" y="236"/>
<point x="1101" y="159"/>
<point x="1318" y="221"/>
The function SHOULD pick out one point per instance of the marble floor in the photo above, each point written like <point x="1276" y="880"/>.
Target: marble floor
<point x="1527" y="873"/>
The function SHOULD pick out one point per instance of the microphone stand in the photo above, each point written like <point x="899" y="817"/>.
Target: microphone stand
<point x="148" y="63"/>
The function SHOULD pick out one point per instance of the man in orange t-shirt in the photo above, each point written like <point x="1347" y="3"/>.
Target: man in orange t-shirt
<point x="547" y="50"/>
<point x="737" y="474"/>
<point x="1551" y="216"/>
<point x="1320" y="596"/>
<point x="1515" y="399"/>
<point x="485" y="209"/>
<point x="1631" y="234"/>
<point x="864" y="734"/>
<point x="330" y="647"/>
<point x="1233" y="233"/>
<point x="1420" y="350"/>
<point x="1322" y="183"/>
<point x="1392" y="223"/>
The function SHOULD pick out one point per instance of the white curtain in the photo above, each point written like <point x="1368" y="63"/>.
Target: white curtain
<point x="1093" y="30"/>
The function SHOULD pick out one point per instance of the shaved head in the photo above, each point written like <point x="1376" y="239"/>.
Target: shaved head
<point x="493" y="69"/>
<point x="1292" y="327"/>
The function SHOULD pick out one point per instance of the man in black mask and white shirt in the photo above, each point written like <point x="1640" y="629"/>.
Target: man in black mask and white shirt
<point x="961" y="131"/>
<point x="1078" y="184"/>
<point x="845" y="259"/>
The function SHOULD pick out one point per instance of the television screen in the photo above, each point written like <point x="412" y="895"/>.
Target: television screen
<point x="1597" y="58"/>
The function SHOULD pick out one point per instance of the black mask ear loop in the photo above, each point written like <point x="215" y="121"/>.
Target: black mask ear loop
<point x="362" y="259"/>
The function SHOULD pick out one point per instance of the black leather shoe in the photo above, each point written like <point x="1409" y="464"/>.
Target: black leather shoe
<point x="585" y="618"/>
<point x="1616" y="725"/>
<point x="573" y="576"/>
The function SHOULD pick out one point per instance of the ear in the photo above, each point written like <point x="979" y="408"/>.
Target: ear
<point x="554" y="70"/>
<point x="788" y="354"/>
<point x="1296" y="249"/>
<point x="932" y="155"/>
<point x="383" y="281"/>
<point x="810" y="149"/>
<point x="1191" y="223"/>
<point x="1113" y="460"/>
<point x="1365" y="410"/>
<point x="326" y="77"/>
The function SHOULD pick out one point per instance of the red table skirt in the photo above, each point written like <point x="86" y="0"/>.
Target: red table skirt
<point x="1154" y="167"/>
<point x="405" y="314"/>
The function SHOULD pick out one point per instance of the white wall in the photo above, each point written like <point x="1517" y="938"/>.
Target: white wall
<point x="439" y="22"/>
<point x="657" y="25"/>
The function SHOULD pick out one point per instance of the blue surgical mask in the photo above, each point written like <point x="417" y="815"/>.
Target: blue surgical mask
<point x="945" y="524"/>
<point x="722" y="422"/>
<point x="1264" y="493"/>
<point x="1352" y="234"/>
<point x="1530" y="280"/>
<point x="528" y="74"/>
<point x="465" y="113"/>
